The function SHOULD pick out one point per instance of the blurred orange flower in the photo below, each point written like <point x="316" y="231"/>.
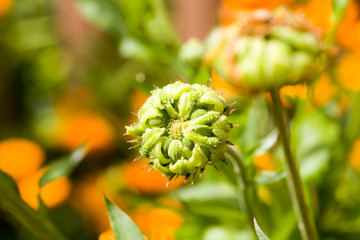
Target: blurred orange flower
<point x="292" y="91"/>
<point x="349" y="30"/>
<point x="52" y="194"/>
<point x="265" y="162"/>
<point x="20" y="157"/>
<point x="85" y="126"/>
<point x="348" y="33"/>
<point x="88" y="199"/>
<point x="320" y="19"/>
<point x="107" y="235"/>
<point x="354" y="156"/>
<point x="5" y="6"/>
<point x="157" y="223"/>
<point x="324" y="90"/>
<point x="222" y="87"/>
<point x="138" y="178"/>
<point x="349" y="73"/>
<point x="254" y="4"/>
<point x="138" y="98"/>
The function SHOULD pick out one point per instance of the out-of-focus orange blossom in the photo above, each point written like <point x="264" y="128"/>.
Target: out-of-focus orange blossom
<point x="348" y="33"/>
<point x="52" y="194"/>
<point x="265" y="162"/>
<point x="349" y="30"/>
<point x="324" y="90"/>
<point x="254" y="4"/>
<point x="320" y="19"/>
<point x="139" y="179"/>
<point x="20" y="157"/>
<point x="354" y="156"/>
<point x="5" y="6"/>
<point x="157" y="223"/>
<point x="222" y="87"/>
<point x="229" y="9"/>
<point x="169" y="202"/>
<point x="88" y="199"/>
<point x="137" y="99"/>
<point x="348" y="71"/>
<point x="78" y="123"/>
<point x="85" y="126"/>
<point x="107" y="235"/>
<point x="76" y="100"/>
<point x="292" y="91"/>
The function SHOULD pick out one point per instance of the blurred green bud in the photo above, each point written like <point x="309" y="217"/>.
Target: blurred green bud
<point x="263" y="50"/>
<point x="183" y="128"/>
<point x="192" y="52"/>
<point x="132" y="48"/>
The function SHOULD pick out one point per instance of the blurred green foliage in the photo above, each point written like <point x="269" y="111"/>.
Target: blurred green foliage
<point x="132" y="45"/>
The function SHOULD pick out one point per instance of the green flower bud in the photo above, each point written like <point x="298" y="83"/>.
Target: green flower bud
<point x="192" y="52"/>
<point x="262" y="50"/>
<point x="183" y="128"/>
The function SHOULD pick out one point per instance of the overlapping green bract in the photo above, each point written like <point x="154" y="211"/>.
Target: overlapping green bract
<point x="264" y="50"/>
<point x="183" y="129"/>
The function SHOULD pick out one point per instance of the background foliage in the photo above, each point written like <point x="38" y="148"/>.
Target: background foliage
<point x="73" y="71"/>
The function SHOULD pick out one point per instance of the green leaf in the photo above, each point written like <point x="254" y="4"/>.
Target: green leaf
<point x="122" y="225"/>
<point x="352" y="130"/>
<point x="313" y="139"/>
<point x="267" y="143"/>
<point x="63" y="166"/>
<point x="158" y="28"/>
<point x="269" y="177"/>
<point x="261" y="235"/>
<point x="339" y="8"/>
<point x="104" y="14"/>
<point x="206" y="192"/>
<point x="10" y="201"/>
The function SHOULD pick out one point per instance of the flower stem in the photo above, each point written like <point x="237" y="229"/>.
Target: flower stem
<point x="305" y="220"/>
<point x="244" y="185"/>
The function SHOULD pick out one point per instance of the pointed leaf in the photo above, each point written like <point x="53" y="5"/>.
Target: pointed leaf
<point x="260" y="234"/>
<point x="339" y="8"/>
<point x="63" y="166"/>
<point x="11" y="202"/>
<point x="122" y="225"/>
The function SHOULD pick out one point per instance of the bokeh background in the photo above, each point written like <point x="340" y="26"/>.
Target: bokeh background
<point x="75" y="72"/>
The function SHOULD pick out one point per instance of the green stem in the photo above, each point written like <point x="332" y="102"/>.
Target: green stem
<point x="245" y="187"/>
<point x="305" y="221"/>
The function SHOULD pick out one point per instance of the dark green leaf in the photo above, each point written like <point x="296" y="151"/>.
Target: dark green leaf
<point x="122" y="225"/>
<point x="11" y="202"/>
<point x="261" y="235"/>
<point x="63" y="166"/>
<point x="42" y="210"/>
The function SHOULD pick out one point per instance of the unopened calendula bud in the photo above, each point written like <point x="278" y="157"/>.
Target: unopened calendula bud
<point x="262" y="50"/>
<point x="192" y="52"/>
<point x="183" y="129"/>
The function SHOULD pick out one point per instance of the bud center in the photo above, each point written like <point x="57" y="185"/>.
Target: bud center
<point x="175" y="129"/>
